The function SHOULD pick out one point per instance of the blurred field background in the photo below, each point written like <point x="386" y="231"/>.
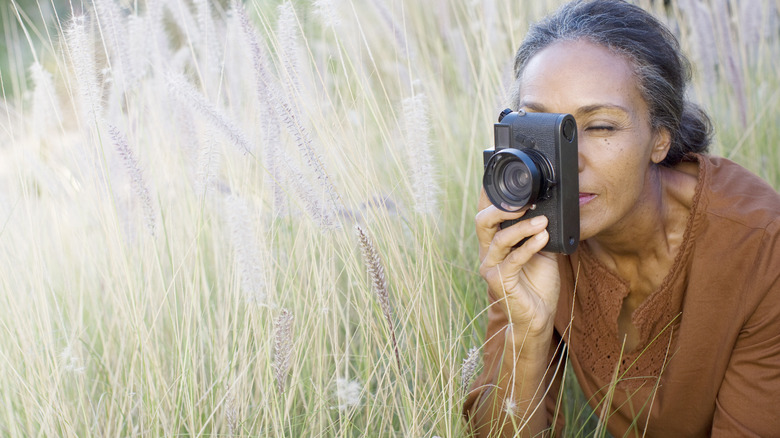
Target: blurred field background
<point x="256" y="219"/>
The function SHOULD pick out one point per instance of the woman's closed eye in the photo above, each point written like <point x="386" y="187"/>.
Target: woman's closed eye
<point x="600" y="128"/>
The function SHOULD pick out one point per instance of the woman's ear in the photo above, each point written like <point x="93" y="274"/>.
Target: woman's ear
<point x="663" y="141"/>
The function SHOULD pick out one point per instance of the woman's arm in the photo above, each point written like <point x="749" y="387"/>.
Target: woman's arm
<point x="747" y="402"/>
<point x="514" y="388"/>
<point x="523" y="285"/>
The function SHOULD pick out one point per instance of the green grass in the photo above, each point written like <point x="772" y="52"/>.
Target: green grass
<point x="108" y="330"/>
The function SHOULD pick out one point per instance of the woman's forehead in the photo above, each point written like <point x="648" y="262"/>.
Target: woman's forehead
<point x="579" y="74"/>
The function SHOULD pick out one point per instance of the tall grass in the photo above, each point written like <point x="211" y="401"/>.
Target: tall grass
<point x="180" y="189"/>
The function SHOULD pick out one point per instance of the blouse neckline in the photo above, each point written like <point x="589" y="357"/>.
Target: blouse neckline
<point x="655" y="318"/>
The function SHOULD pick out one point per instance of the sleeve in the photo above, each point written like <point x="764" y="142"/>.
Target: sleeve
<point x="493" y="351"/>
<point x="746" y="404"/>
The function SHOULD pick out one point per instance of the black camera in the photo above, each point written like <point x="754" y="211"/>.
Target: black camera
<point x="534" y="164"/>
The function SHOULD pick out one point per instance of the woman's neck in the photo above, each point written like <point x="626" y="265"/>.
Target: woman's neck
<point x="649" y="237"/>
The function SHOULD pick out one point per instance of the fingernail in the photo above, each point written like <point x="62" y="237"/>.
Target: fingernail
<point x="541" y="236"/>
<point x="538" y="220"/>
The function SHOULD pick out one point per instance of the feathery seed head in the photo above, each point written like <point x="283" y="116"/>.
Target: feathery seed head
<point x="376" y="270"/>
<point x="377" y="273"/>
<point x="348" y="393"/>
<point x="468" y="367"/>
<point x="510" y="407"/>
<point x="231" y="411"/>
<point x="187" y="94"/>
<point x="80" y="46"/>
<point x="45" y="104"/>
<point x="327" y="10"/>
<point x="137" y="182"/>
<point x="70" y="360"/>
<point x="245" y="243"/>
<point x="420" y="161"/>
<point x="283" y="347"/>
<point x="207" y="166"/>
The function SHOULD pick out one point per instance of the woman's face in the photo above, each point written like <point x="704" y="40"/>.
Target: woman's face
<point x="616" y="142"/>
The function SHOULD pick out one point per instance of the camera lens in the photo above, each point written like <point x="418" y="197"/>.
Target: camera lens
<point x="515" y="178"/>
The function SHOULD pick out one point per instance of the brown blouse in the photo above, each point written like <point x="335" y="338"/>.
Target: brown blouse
<point x="708" y="360"/>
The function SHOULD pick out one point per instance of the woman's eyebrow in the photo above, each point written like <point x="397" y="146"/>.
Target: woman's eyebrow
<point x="581" y="111"/>
<point x="589" y="109"/>
<point x="533" y="106"/>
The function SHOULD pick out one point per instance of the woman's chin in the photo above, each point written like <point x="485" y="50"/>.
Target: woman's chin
<point x="587" y="230"/>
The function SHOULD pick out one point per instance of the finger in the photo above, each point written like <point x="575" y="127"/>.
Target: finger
<point x="489" y="216"/>
<point x="505" y="241"/>
<point x="497" y="276"/>
<point x="487" y="223"/>
<point x="484" y="201"/>
<point x="520" y="256"/>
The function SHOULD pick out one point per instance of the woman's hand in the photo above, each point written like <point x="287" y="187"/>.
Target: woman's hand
<point x="524" y="278"/>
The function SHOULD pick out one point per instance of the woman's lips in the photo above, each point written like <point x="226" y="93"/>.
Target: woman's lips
<point x="586" y="197"/>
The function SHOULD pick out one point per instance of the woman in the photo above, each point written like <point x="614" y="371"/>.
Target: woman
<point x="669" y="310"/>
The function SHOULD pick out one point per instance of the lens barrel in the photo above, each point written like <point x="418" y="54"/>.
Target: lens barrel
<point x="515" y="178"/>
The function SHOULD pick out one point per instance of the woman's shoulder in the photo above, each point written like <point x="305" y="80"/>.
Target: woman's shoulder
<point x="735" y="195"/>
<point x="738" y="244"/>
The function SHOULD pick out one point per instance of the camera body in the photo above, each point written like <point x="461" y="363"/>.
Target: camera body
<point x="534" y="163"/>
